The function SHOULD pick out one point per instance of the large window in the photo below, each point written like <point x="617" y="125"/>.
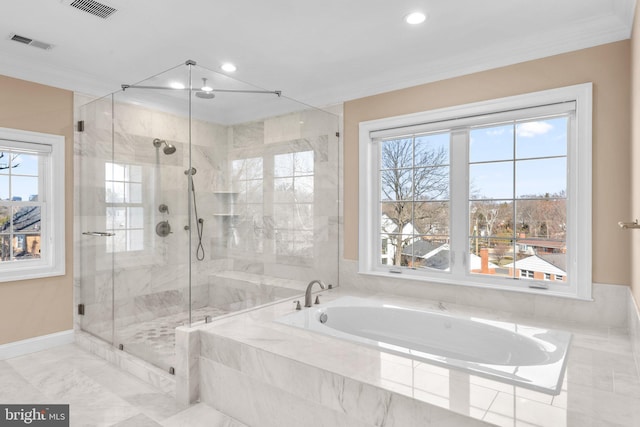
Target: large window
<point x="31" y="205"/>
<point x="494" y="194"/>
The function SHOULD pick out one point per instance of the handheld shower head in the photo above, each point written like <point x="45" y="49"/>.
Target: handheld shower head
<point x="168" y="148"/>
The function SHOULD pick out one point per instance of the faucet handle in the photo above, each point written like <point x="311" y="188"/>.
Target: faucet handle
<point x="317" y="299"/>
<point x="297" y="303"/>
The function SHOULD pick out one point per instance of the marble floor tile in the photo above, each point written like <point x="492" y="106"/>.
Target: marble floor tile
<point x="201" y="415"/>
<point x="139" y="420"/>
<point x="16" y="389"/>
<point x="98" y="393"/>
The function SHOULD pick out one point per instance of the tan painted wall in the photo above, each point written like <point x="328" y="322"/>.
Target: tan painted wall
<point x="635" y="156"/>
<point x="607" y="66"/>
<point x="30" y="308"/>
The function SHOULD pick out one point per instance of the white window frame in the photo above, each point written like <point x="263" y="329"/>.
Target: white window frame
<point x="52" y="240"/>
<point x="526" y="274"/>
<point x="579" y="191"/>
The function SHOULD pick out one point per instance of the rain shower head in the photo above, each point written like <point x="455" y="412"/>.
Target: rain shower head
<point x="168" y="148"/>
<point x="206" y="92"/>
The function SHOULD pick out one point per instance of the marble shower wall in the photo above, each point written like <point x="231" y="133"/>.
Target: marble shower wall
<point x="253" y="244"/>
<point x="150" y="273"/>
<point x="285" y="197"/>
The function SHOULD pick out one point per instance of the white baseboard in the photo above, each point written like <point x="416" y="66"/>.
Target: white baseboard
<point x="31" y="345"/>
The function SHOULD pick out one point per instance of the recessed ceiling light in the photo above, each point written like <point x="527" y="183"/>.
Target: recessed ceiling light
<point x="415" y="18"/>
<point x="228" y="67"/>
<point x="176" y="85"/>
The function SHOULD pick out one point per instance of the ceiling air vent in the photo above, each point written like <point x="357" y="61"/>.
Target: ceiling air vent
<point x="30" y="42"/>
<point x="93" y="7"/>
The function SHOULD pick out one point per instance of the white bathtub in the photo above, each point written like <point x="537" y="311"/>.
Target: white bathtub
<point x="524" y="356"/>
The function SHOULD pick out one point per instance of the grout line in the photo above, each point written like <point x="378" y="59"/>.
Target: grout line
<point x="486" y="412"/>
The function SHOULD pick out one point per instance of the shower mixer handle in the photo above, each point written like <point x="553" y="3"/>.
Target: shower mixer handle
<point x="163" y="229"/>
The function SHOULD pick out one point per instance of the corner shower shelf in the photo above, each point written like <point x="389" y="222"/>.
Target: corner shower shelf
<point x="227" y="203"/>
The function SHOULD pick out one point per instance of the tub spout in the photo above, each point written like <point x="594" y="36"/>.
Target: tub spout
<point x="307" y="294"/>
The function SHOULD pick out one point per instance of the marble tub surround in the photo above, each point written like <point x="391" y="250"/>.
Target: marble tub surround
<point x="609" y="308"/>
<point x="517" y="354"/>
<point x="324" y="381"/>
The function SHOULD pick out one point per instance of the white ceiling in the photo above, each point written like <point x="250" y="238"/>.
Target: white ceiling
<point x="319" y="52"/>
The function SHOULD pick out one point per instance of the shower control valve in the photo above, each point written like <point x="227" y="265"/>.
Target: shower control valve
<point x="163" y="229"/>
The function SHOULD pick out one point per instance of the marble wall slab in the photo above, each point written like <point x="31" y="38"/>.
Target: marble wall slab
<point x="187" y="365"/>
<point x="609" y="307"/>
<point x="291" y="367"/>
<point x="281" y="391"/>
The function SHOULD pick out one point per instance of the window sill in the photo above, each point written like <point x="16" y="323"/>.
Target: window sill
<point x="28" y="272"/>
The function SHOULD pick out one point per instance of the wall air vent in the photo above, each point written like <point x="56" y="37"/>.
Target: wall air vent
<point x="93" y="7"/>
<point x="30" y="42"/>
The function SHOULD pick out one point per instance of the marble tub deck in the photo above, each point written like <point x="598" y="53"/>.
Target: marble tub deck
<point x="99" y="394"/>
<point x="303" y="378"/>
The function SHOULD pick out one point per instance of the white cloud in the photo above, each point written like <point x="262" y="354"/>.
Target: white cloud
<point x="496" y="132"/>
<point x="531" y="129"/>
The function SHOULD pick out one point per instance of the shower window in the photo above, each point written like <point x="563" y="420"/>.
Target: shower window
<point x="31" y="200"/>
<point x="293" y="185"/>
<point x="248" y="204"/>
<point x="125" y="210"/>
<point x="484" y="194"/>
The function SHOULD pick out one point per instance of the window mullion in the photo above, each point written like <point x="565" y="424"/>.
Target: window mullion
<point x="459" y="209"/>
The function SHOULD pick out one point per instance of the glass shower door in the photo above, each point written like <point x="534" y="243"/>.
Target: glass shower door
<point x="148" y="212"/>
<point x="95" y="151"/>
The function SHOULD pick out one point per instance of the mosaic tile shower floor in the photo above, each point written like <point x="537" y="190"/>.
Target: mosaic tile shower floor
<point x="155" y="340"/>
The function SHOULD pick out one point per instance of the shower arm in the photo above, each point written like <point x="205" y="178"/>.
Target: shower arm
<point x="268" y="92"/>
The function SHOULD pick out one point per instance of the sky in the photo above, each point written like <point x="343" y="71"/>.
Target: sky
<point x="533" y="151"/>
<point x="24" y="180"/>
<point x="539" y="149"/>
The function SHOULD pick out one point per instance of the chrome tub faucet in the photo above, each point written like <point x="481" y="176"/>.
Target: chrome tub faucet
<point x="307" y="293"/>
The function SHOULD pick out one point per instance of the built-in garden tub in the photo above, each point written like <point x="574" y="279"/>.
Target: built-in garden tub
<point x="520" y="355"/>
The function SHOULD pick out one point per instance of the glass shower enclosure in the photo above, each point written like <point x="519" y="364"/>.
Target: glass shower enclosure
<point x="199" y="196"/>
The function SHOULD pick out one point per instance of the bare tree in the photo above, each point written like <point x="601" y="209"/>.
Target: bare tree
<point x="543" y="216"/>
<point x="412" y="178"/>
<point x="492" y="216"/>
<point x="502" y="250"/>
<point x="10" y="163"/>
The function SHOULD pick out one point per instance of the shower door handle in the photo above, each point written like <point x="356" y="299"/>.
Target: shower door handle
<point x="98" y="233"/>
